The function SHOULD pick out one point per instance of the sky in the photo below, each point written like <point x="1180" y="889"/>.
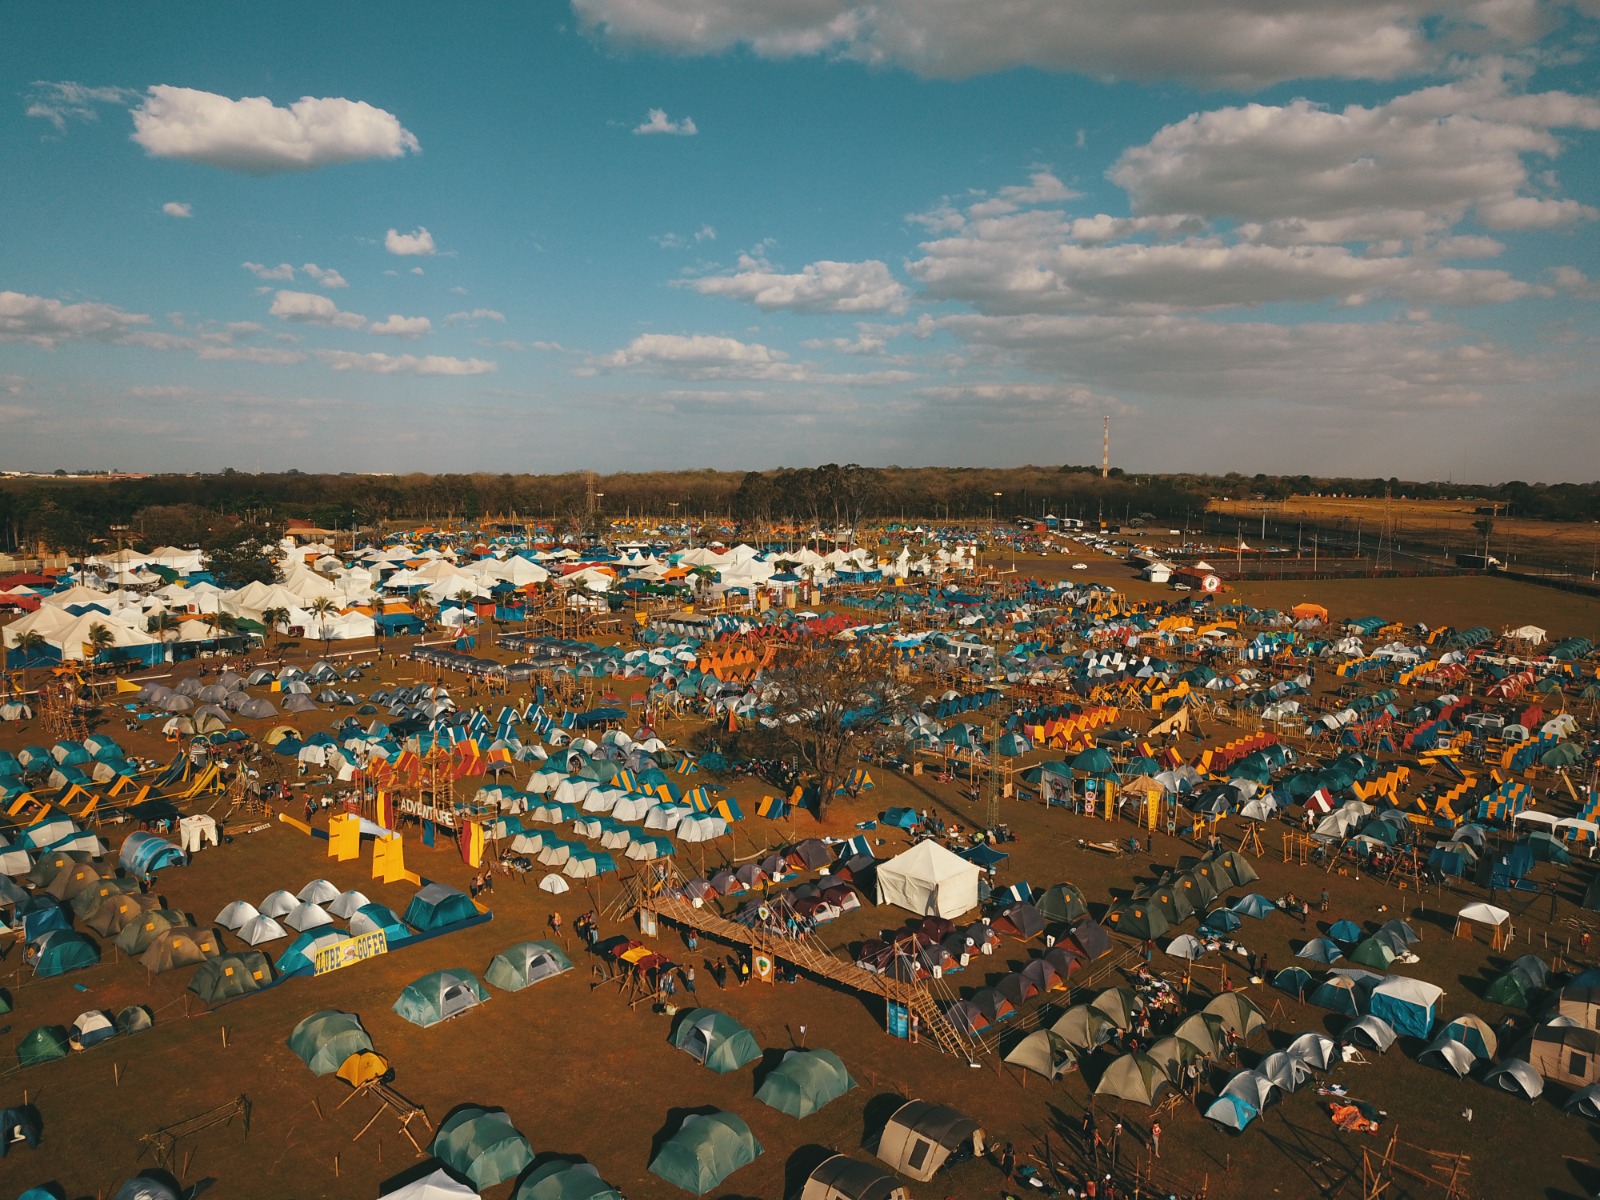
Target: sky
<point x="1259" y="235"/>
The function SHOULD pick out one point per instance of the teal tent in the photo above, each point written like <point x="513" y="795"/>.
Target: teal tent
<point x="482" y="1146"/>
<point x="560" y="1179"/>
<point x="325" y="1039"/>
<point x="526" y="963"/>
<point x="63" y="950"/>
<point x="373" y="918"/>
<point x="439" y="996"/>
<point x="437" y="906"/>
<point x="715" y="1040"/>
<point x="705" y="1151"/>
<point x="805" y="1081"/>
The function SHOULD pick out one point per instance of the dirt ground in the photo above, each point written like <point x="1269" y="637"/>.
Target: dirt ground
<point x="583" y="1074"/>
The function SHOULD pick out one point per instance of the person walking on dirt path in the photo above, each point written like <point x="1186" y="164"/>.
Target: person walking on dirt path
<point x="1324" y="900"/>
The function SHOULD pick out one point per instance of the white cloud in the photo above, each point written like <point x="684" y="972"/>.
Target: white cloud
<point x="405" y="364"/>
<point x="679" y="241"/>
<point x="473" y="317"/>
<point x="822" y="287"/>
<point x="398" y="326"/>
<point x="418" y="242"/>
<point x="282" y="273"/>
<point x="64" y="101"/>
<point x="1227" y="43"/>
<point x="48" y="323"/>
<point x="312" y="309"/>
<point x="174" y="209"/>
<point x="326" y="276"/>
<point x="1413" y="165"/>
<point x="256" y="136"/>
<point x="659" y="122"/>
<point x="699" y="356"/>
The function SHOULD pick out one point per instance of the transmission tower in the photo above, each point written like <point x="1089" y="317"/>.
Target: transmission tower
<point x="1385" y="558"/>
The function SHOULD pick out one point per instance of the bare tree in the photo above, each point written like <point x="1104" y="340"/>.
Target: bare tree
<point x="833" y="704"/>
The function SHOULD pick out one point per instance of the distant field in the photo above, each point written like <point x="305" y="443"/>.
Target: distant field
<point x="1445" y="523"/>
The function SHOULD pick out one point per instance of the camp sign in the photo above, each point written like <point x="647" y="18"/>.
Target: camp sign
<point x="351" y="950"/>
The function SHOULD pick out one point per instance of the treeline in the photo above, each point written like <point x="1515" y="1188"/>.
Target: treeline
<point x="82" y="515"/>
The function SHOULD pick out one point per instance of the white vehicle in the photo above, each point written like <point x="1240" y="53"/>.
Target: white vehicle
<point x="1080" y="566"/>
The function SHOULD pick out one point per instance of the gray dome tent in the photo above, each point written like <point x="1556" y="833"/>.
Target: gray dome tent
<point x="526" y="963"/>
<point x="439" y="996"/>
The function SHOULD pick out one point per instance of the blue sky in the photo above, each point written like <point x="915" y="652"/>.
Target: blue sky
<point x="634" y="234"/>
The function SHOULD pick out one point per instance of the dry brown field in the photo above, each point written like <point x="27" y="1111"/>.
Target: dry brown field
<point x="1446" y="524"/>
<point x="580" y="1073"/>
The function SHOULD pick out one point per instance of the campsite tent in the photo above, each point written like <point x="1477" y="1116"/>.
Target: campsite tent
<point x="561" y="1179"/>
<point x="1515" y="1075"/>
<point x="1135" y="1077"/>
<point x="1408" y="1005"/>
<point x="1453" y="1055"/>
<point x="370" y="918"/>
<point x="440" y="995"/>
<point x="63" y="950"/>
<point x="1044" y="1052"/>
<point x="482" y="1145"/>
<point x="805" y="1081"/>
<point x="437" y="1185"/>
<point x="1566" y="1054"/>
<point x="230" y="975"/>
<point x="437" y="906"/>
<point x="42" y="1045"/>
<point x="21" y="1124"/>
<point x="844" y="1178"/>
<point x="90" y="1029"/>
<point x="1373" y="1031"/>
<point x="1238" y="1012"/>
<point x="715" y="1040"/>
<point x="930" y="881"/>
<point x="921" y="1137"/>
<point x="325" y="1039"/>
<point x="526" y="963"/>
<point x="180" y="947"/>
<point x="706" y="1149"/>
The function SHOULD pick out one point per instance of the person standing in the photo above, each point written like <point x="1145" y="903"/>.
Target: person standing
<point x="1008" y="1161"/>
<point x="688" y="980"/>
<point x="1324" y="899"/>
<point x="1155" y="1137"/>
<point x="1116" y="1145"/>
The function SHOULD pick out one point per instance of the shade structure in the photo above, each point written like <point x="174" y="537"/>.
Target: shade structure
<point x="482" y="1145"/>
<point x="704" y="1151"/>
<point x="325" y="1039"/>
<point x="805" y="1081"/>
<point x="715" y="1040"/>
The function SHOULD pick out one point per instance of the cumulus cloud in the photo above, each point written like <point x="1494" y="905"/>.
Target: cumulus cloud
<point x="698" y="356"/>
<point x="658" y="122"/>
<point x="326" y="276"/>
<point x="174" y="209"/>
<point x="282" y="273"/>
<point x="1412" y="165"/>
<point x="312" y="309"/>
<point x="822" y="287"/>
<point x="417" y="242"/>
<point x="405" y="364"/>
<point x="64" y="101"/>
<point x="1224" y="43"/>
<point x="682" y="241"/>
<point x="398" y="326"/>
<point x="256" y="136"/>
<point x="474" y="316"/>
<point x="47" y="323"/>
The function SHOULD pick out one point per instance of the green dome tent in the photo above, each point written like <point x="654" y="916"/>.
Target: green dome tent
<point x="182" y="947"/>
<point x="439" y="996"/>
<point x="230" y="975"/>
<point x="715" y="1040"/>
<point x="563" y="1180"/>
<point x="525" y="964"/>
<point x="325" y="1039"/>
<point x="705" y="1151"/>
<point x="45" y="1044"/>
<point x="1044" y="1052"/>
<point x="805" y="1081"/>
<point x="136" y="937"/>
<point x="482" y="1146"/>
<point x="1062" y="904"/>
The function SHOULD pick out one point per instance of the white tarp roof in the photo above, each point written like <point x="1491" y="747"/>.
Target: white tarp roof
<point x="930" y="881"/>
